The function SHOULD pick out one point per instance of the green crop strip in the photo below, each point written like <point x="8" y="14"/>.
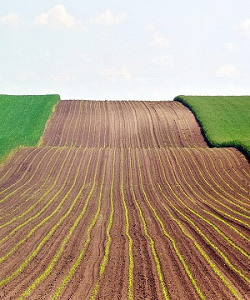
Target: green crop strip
<point x="167" y="234"/>
<point x="47" y="152"/>
<point x="84" y="127"/>
<point x="94" y="123"/>
<point x="210" y="196"/>
<point x="47" y="237"/>
<point x="15" y="162"/>
<point x="66" y="125"/>
<point x="168" y="132"/>
<point x="90" y="115"/>
<point x="222" y="152"/>
<point x="193" y="177"/>
<point x="212" y="225"/>
<point x="152" y="243"/>
<point x="221" y="177"/>
<point x="32" y="206"/>
<point x="207" y="221"/>
<point x="52" y="168"/>
<point x="83" y="133"/>
<point x="100" y="130"/>
<point x="34" y="229"/>
<point x="120" y="139"/>
<point x="51" y="231"/>
<point x="203" y="177"/>
<point x="196" y="244"/>
<point x="155" y="134"/>
<point x="24" y="173"/>
<point x="37" y="183"/>
<point x="70" y="129"/>
<point x="109" y="118"/>
<point x="75" y="119"/>
<point x="67" y="128"/>
<point x="77" y="126"/>
<point x="229" y="225"/>
<point x="48" y="270"/>
<point x="51" y="200"/>
<point x="103" y="265"/>
<point x="134" y="125"/>
<point x="215" y="247"/>
<point x="72" y="270"/>
<point x="229" y="161"/>
<point x="207" y="239"/>
<point x="194" y="144"/>
<point x="105" y="125"/>
<point x="70" y="132"/>
<point x="56" y="122"/>
<point x="131" y="262"/>
<point x="120" y="114"/>
<point x="140" y="121"/>
<point x="215" y="208"/>
<point x="151" y="136"/>
<point x="236" y="182"/>
<point x="200" y="248"/>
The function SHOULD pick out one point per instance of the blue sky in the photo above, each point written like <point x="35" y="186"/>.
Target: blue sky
<point x="141" y="50"/>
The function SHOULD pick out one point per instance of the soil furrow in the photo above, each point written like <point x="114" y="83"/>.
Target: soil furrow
<point x="124" y="200"/>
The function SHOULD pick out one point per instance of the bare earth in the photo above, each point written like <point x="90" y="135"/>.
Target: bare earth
<point x="124" y="200"/>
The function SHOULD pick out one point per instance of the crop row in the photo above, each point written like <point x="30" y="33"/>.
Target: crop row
<point x="165" y="187"/>
<point x="130" y="123"/>
<point x="124" y="200"/>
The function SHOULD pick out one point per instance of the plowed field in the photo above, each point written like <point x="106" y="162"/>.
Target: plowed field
<point x="124" y="200"/>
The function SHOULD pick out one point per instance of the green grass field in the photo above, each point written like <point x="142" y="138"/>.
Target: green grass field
<point x="225" y="120"/>
<point x="23" y="119"/>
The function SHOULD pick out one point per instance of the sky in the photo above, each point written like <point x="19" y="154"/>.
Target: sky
<point x="125" y="50"/>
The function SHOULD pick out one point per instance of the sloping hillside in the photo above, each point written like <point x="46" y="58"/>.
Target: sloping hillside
<point x="124" y="200"/>
<point x="23" y="119"/>
<point x="225" y="120"/>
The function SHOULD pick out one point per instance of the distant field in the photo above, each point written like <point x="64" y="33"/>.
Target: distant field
<point x="124" y="200"/>
<point x="23" y="119"/>
<point x="225" y="120"/>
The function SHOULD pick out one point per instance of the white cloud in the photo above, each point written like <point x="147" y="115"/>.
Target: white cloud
<point x="115" y="73"/>
<point x="125" y="72"/>
<point x="12" y="19"/>
<point x="61" y="78"/>
<point x="157" y="39"/>
<point x="109" y="18"/>
<point x="163" y="60"/>
<point x="26" y="76"/>
<point x="160" y="41"/>
<point x="227" y="71"/>
<point x="46" y="55"/>
<point x="245" y="28"/>
<point x="86" y="58"/>
<point x="111" y="72"/>
<point x="230" y="47"/>
<point x="150" y="27"/>
<point x="57" y="18"/>
<point x="245" y="25"/>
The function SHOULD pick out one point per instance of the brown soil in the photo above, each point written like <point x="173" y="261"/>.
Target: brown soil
<point x="124" y="200"/>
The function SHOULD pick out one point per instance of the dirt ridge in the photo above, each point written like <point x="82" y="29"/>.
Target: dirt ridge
<point x="124" y="200"/>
